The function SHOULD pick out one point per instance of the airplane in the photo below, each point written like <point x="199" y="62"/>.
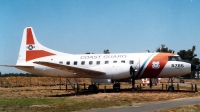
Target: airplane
<point x="101" y="68"/>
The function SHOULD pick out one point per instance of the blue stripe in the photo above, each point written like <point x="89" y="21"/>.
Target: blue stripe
<point x="143" y="66"/>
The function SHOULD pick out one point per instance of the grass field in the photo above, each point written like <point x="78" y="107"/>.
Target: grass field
<point x="51" y="98"/>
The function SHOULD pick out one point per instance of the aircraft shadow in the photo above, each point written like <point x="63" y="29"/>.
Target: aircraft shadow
<point x="86" y="92"/>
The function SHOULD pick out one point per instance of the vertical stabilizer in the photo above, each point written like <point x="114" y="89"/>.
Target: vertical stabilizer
<point x="31" y="49"/>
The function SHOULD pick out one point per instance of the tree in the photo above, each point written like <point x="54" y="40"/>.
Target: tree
<point x="188" y="55"/>
<point x="87" y="53"/>
<point x="106" y="51"/>
<point x="164" y="49"/>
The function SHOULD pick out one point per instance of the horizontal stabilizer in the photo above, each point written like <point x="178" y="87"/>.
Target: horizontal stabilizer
<point x="18" y="66"/>
<point x="72" y="69"/>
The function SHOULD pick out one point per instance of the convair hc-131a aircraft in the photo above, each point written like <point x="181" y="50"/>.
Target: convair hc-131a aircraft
<point x="101" y="68"/>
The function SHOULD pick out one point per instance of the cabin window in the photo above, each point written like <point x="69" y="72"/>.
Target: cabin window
<point x="123" y="61"/>
<point x="82" y="62"/>
<point x="75" y="62"/>
<point x="60" y="62"/>
<point x="131" y="62"/>
<point x="98" y="62"/>
<point x="90" y="62"/>
<point x="115" y="61"/>
<point x="106" y="62"/>
<point x="68" y="63"/>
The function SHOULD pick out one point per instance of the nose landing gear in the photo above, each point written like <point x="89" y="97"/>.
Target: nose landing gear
<point x="171" y="87"/>
<point x="132" y="72"/>
<point x="116" y="87"/>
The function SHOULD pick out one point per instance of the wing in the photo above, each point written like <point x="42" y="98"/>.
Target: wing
<point x="72" y="69"/>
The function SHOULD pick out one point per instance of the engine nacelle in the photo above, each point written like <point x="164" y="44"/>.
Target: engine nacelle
<point x="106" y="81"/>
<point x="115" y="71"/>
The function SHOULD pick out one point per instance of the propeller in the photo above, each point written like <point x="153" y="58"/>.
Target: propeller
<point x="131" y="71"/>
<point x="197" y="67"/>
<point x="194" y="67"/>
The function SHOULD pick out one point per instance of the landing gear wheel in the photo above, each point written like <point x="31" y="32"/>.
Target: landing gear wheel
<point x="116" y="87"/>
<point x="171" y="88"/>
<point x="92" y="88"/>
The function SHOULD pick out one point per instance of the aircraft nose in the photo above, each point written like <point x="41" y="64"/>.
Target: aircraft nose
<point x="193" y="67"/>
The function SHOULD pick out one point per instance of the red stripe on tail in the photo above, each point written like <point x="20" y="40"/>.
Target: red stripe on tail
<point x="29" y="39"/>
<point x="30" y="55"/>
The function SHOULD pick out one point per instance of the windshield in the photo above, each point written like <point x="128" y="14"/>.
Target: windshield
<point x="174" y="58"/>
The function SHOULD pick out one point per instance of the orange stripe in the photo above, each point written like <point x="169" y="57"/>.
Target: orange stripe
<point x="30" y="55"/>
<point x="162" y="58"/>
<point x="29" y="39"/>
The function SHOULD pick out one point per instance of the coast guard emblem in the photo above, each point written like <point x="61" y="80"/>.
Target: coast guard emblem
<point x="155" y="64"/>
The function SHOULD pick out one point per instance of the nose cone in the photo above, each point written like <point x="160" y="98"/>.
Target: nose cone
<point x="193" y="67"/>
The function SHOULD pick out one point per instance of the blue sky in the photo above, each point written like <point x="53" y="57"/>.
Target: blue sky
<point x="80" y="26"/>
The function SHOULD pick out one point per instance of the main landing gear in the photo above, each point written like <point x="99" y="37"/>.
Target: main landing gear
<point x="116" y="86"/>
<point x="92" y="88"/>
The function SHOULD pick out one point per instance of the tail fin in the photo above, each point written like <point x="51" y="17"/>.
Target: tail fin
<point x="31" y="49"/>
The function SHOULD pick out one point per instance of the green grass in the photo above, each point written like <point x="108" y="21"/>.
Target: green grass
<point x="54" y="104"/>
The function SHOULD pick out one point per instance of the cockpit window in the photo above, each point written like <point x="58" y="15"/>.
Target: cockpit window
<point x="174" y="58"/>
<point x="179" y="58"/>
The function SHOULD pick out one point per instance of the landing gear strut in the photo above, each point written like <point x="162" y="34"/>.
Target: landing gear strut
<point x="132" y="72"/>
<point x="150" y="84"/>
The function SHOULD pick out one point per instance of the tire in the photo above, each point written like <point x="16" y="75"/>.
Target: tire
<point x="171" y="88"/>
<point x="92" y="88"/>
<point x="116" y="87"/>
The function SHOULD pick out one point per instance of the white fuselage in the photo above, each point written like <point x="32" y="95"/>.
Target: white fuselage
<point x="116" y="66"/>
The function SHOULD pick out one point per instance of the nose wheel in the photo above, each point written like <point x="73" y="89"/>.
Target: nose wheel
<point x="171" y="87"/>
<point x="116" y="87"/>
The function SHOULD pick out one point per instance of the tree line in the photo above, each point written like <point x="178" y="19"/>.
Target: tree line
<point x="17" y="74"/>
